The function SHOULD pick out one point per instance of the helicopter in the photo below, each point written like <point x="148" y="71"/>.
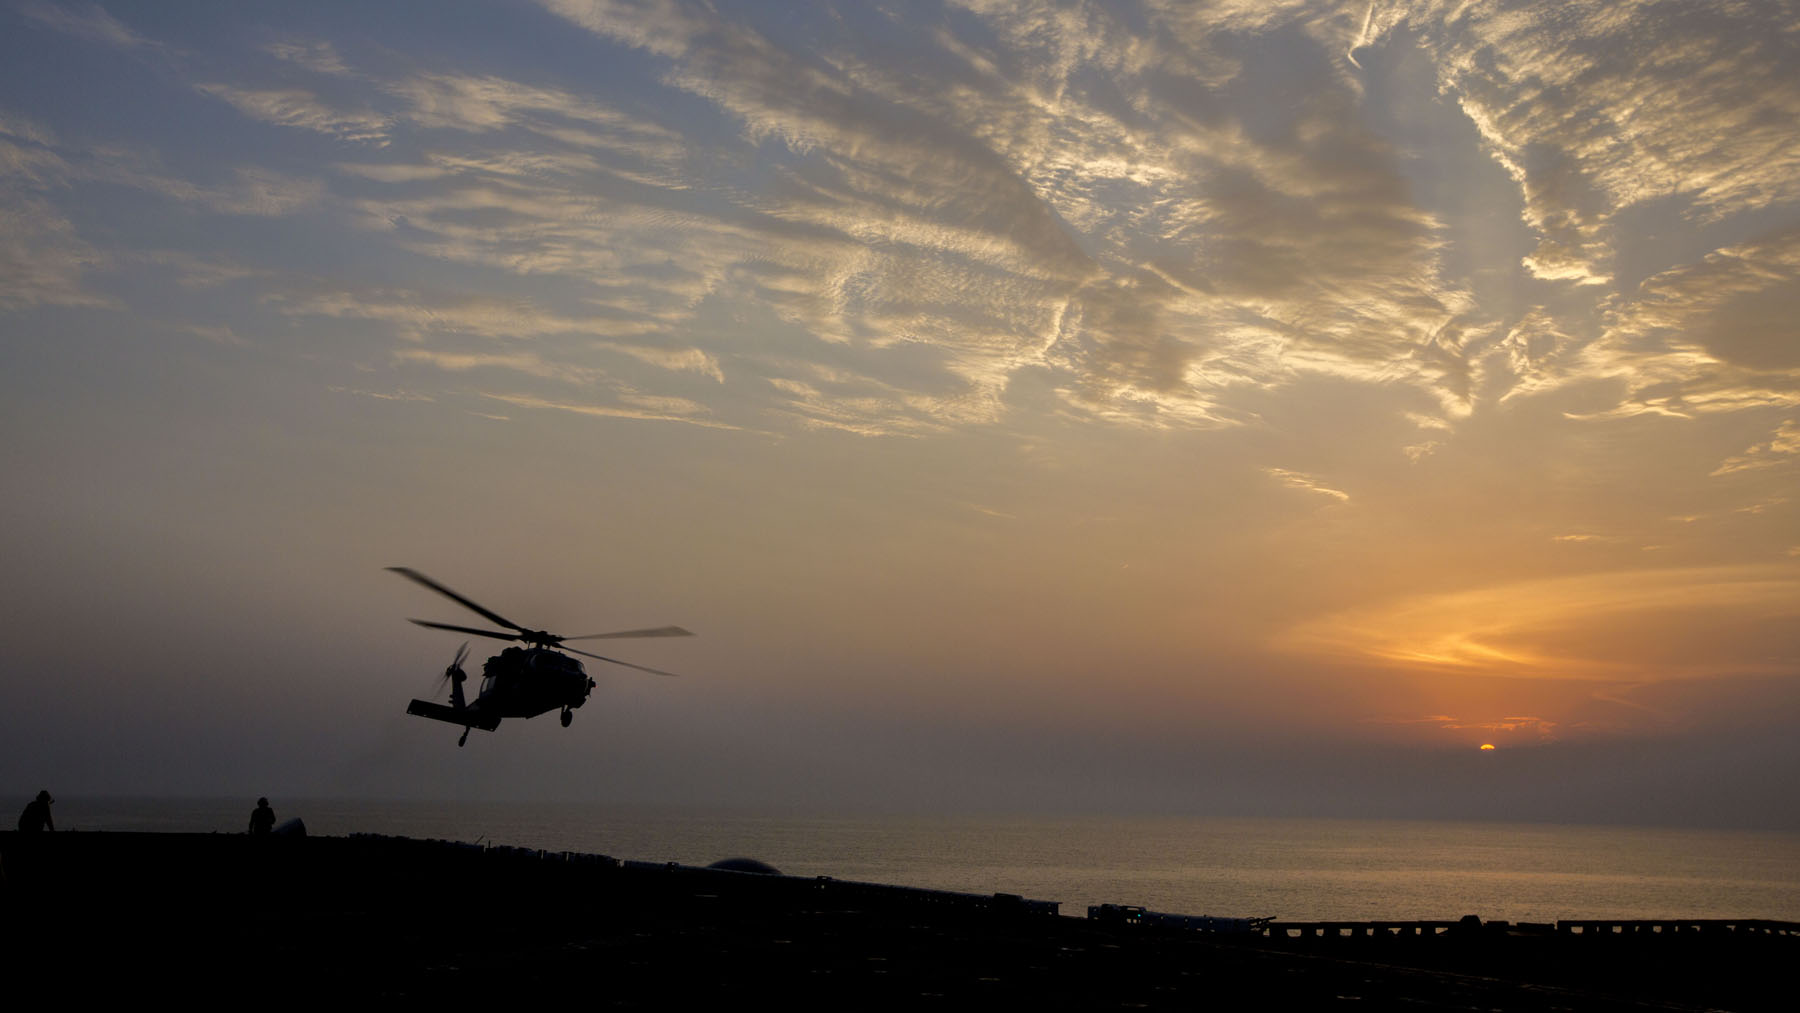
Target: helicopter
<point x="519" y="682"/>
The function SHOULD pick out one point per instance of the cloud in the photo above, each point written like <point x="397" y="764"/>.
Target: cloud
<point x="34" y="162"/>
<point x="88" y="22"/>
<point x="316" y="55"/>
<point x="631" y="406"/>
<point x="479" y="104"/>
<point x="398" y="395"/>
<point x="1595" y="107"/>
<point x="247" y="191"/>
<point x="865" y="414"/>
<point x="691" y="360"/>
<point x="25" y="139"/>
<point x="1012" y="215"/>
<point x="1073" y="199"/>
<point x="1537" y="728"/>
<point x="526" y="362"/>
<point x="1777" y="450"/>
<point x="261" y="193"/>
<point x="1299" y="480"/>
<point x="1036" y="202"/>
<point x="1626" y="626"/>
<point x="419" y="313"/>
<point x="1715" y="336"/>
<point x="1536" y="354"/>
<point x="193" y="271"/>
<point x="42" y="259"/>
<point x="661" y="26"/>
<point x="217" y="335"/>
<point x="302" y="110"/>
<point x="1072" y="203"/>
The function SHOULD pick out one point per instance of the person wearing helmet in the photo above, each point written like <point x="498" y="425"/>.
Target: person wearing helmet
<point x="37" y="814"/>
<point x="262" y="818"/>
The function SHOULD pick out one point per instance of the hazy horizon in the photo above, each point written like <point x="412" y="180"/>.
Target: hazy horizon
<point x="1109" y="405"/>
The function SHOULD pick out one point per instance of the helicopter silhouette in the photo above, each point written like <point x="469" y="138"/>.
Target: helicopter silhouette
<point x="519" y="682"/>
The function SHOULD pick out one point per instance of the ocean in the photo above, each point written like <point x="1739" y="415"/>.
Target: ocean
<point x="1293" y="869"/>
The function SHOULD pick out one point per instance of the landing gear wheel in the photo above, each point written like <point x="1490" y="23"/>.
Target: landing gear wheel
<point x="567" y="717"/>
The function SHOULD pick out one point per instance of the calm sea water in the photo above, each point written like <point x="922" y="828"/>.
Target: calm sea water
<point x="1291" y="869"/>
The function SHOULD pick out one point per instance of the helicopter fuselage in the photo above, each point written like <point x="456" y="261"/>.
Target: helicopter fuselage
<point x="523" y="682"/>
<point x="519" y="682"/>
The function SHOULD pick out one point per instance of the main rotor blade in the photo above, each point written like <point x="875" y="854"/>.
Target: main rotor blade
<point x="465" y="629"/>
<point x="660" y="631"/>
<point x="627" y="664"/>
<point x="419" y="578"/>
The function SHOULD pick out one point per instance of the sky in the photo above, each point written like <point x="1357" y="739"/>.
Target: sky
<point x="1235" y="408"/>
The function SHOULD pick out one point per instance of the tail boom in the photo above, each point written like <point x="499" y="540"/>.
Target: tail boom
<point x="453" y="715"/>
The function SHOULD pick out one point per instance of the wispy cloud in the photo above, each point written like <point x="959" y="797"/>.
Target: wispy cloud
<point x="1540" y="729"/>
<point x="1053" y="216"/>
<point x="525" y="362"/>
<point x="198" y="272"/>
<point x="396" y="395"/>
<point x="316" y="55"/>
<point x="691" y="360"/>
<point x="1622" y="626"/>
<point x="217" y="335"/>
<point x="1777" y="450"/>
<point x="629" y="406"/>
<point x="42" y="258"/>
<point x="1093" y="202"/>
<point x="1713" y="336"/>
<point x="417" y="313"/>
<point x="89" y="22"/>
<point x="303" y="110"/>
<point x="1300" y="480"/>
<point x="1597" y="107"/>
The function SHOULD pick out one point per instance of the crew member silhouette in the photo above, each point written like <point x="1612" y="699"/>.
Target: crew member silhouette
<point x="262" y="818"/>
<point x="37" y="814"/>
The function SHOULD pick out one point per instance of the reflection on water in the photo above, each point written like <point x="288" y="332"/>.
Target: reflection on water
<point x="1296" y="869"/>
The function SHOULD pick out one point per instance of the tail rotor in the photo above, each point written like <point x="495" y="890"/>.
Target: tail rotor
<point x="455" y="676"/>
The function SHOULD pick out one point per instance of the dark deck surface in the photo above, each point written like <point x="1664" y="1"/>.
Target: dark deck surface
<point x="225" y="917"/>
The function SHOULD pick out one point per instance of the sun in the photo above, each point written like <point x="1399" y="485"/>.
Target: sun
<point x="1485" y="746"/>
